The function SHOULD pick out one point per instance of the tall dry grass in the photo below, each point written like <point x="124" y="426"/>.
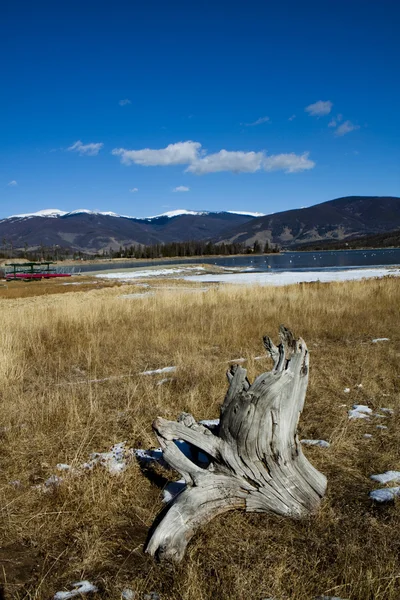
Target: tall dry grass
<point x="12" y="290"/>
<point x="94" y="526"/>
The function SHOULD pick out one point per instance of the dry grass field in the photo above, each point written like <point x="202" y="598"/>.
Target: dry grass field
<point x="11" y="290"/>
<point x="93" y="525"/>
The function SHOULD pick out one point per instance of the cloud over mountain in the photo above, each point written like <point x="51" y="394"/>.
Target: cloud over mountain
<point x="289" y="163"/>
<point x="236" y="162"/>
<point x="181" y="153"/>
<point x="200" y="163"/>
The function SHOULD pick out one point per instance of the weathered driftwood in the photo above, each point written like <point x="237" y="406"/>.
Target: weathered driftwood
<point x="256" y="459"/>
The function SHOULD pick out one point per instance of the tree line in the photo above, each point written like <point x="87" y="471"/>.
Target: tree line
<point x="190" y="248"/>
<point x="138" y="251"/>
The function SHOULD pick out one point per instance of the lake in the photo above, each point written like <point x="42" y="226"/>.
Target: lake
<point x="286" y="261"/>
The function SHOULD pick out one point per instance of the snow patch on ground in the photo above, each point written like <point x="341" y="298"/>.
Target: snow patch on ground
<point x="102" y="380"/>
<point x="157" y="371"/>
<point x="376" y="340"/>
<point x="165" y="380"/>
<point x="329" y="598"/>
<point x="134" y="296"/>
<point x="149" y="456"/>
<point x="389" y="411"/>
<point x="63" y="467"/>
<point x="360" y="411"/>
<point x="180" y="288"/>
<point x="354" y="414"/>
<point x="386" y="495"/>
<point x="319" y="443"/>
<point x="139" y="274"/>
<point x="210" y="422"/>
<point x="79" y="283"/>
<point x="50" y="484"/>
<point x="80" y="587"/>
<point x="114" y="461"/>
<point x="290" y="277"/>
<point x="386" y="477"/>
<point x="15" y="483"/>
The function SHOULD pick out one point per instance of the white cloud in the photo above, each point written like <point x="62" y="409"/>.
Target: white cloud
<point x="250" y="162"/>
<point x="320" y="108"/>
<point x="12" y="183"/>
<point x="181" y="153"/>
<point x="335" y="120"/>
<point x="86" y="149"/>
<point x="289" y="163"/>
<point x="291" y="118"/>
<point x="345" y="127"/>
<point x="124" y="102"/>
<point x="200" y="163"/>
<point x="133" y="190"/>
<point x="236" y="162"/>
<point x="181" y="188"/>
<point x="258" y="122"/>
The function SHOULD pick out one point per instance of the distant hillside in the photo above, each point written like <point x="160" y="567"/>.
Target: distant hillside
<point x="380" y="240"/>
<point x="338" y="219"/>
<point x="91" y="232"/>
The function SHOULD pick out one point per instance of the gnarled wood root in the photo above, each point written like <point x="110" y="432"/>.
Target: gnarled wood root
<point x="256" y="459"/>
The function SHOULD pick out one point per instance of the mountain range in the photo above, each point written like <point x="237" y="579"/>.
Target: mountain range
<point x="91" y="232"/>
<point x="349" y="217"/>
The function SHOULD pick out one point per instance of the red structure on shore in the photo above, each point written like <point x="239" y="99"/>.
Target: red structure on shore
<point x="32" y="271"/>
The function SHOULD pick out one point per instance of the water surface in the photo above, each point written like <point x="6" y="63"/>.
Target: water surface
<point x="286" y="261"/>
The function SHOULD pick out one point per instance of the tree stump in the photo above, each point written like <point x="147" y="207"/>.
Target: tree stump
<point x="256" y="460"/>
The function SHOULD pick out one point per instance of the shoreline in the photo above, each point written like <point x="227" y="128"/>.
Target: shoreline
<point x="199" y="274"/>
<point x="139" y="261"/>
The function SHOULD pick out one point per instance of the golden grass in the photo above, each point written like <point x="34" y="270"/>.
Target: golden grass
<point x="31" y="289"/>
<point x="94" y="526"/>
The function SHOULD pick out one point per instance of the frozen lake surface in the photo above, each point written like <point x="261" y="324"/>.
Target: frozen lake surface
<point x="290" y="277"/>
<point x="286" y="261"/>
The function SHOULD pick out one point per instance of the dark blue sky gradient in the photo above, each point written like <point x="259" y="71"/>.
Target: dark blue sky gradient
<point x="200" y="72"/>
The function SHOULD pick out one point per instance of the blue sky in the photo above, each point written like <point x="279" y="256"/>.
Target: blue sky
<point x="250" y="105"/>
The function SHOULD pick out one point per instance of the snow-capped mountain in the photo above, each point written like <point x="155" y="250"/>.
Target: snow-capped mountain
<point x="91" y="231"/>
<point x="55" y="212"/>
<point x="47" y="212"/>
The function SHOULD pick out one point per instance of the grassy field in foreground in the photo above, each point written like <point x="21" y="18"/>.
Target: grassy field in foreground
<point x="94" y="526"/>
<point x="12" y="290"/>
